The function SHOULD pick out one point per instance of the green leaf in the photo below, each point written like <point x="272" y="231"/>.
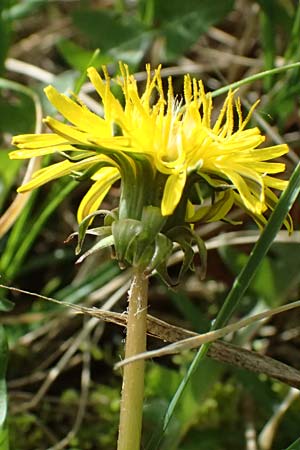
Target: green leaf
<point x="107" y="241"/>
<point x="125" y="233"/>
<point x="106" y="29"/>
<point x="79" y="58"/>
<point x="83" y="227"/>
<point x="133" y="51"/>
<point x="120" y="36"/>
<point x="183" y="22"/>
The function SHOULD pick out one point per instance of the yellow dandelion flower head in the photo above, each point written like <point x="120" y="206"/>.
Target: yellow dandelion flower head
<point x="159" y="145"/>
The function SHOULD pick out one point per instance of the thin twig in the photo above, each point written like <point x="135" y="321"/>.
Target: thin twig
<point x="211" y="336"/>
<point x="220" y="351"/>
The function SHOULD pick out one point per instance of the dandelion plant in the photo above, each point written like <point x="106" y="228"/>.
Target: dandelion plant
<point x="176" y="167"/>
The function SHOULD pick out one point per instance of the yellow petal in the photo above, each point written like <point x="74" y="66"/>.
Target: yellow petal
<point x="38" y="140"/>
<point x="172" y="192"/>
<point x="95" y="195"/>
<point x="252" y="202"/>
<point x="190" y="211"/>
<point x="76" y="114"/>
<point x="58" y="170"/>
<point x="264" y="154"/>
<point x="112" y="106"/>
<point x="217" y="211"/>
<point x="25" y="153"/>
<point x="114" y="143"/>
<point x="267" y="167"/>
<point x="69" y="133"/>
<point x="275" y="183"/>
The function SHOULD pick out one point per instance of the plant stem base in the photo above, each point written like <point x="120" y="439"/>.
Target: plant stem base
<point x="133" y="377"/>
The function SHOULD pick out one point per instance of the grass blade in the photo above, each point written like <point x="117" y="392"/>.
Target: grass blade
<point x="294" y="446"/>
<point x="243" y="280"/>
<point x="4" y="444"/>
<point x="257" y="76"/>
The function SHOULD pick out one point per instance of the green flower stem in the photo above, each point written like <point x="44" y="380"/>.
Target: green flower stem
<point x="254" y="77"/>
<point x="133" y="376"/>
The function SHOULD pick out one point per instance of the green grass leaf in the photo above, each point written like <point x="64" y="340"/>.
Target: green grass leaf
<point x="294" y="446"/>
<point x="244" y="278"/>
<point x="4" y="445"/>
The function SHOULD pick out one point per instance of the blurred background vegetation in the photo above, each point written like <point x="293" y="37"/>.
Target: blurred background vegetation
<point x="63" y="392"/>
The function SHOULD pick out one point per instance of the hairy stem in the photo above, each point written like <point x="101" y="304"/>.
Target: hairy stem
<point x="133" y="376"/>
